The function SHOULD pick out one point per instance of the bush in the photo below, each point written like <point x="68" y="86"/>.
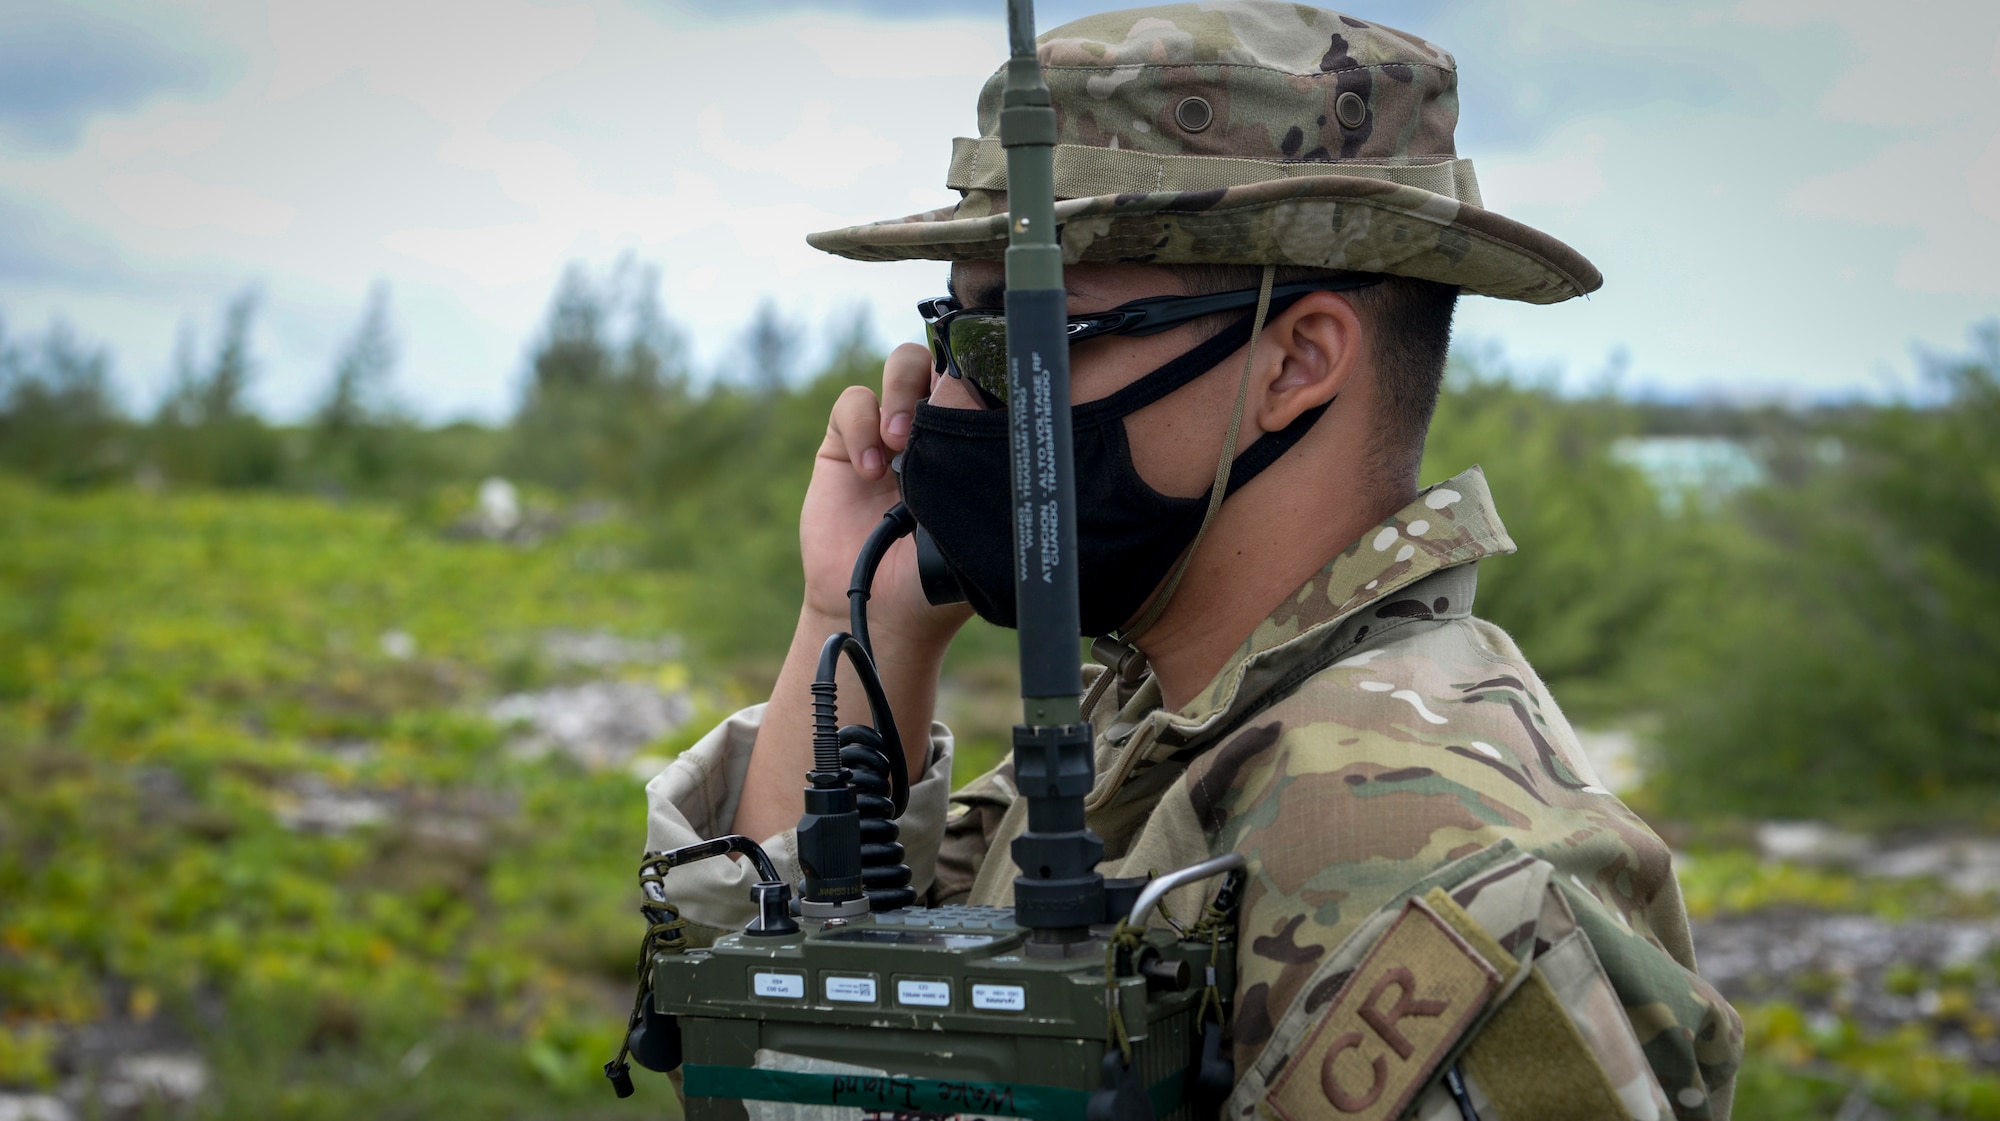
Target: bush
<point x="1843" y="649"/>
<point x="179" y="671"/>
<point x="1597" y="547"/>
<point x="206" y="431"/>
<point x="605" y="385"/>
<point x="58" y="420"/>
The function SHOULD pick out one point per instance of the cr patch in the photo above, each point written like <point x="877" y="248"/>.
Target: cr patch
<point x="1388" y="1027"/>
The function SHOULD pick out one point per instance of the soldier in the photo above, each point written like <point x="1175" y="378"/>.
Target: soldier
<point x="1438" y="880"/>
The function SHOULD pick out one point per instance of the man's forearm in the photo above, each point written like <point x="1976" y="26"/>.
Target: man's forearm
<point x="778" y="764"/>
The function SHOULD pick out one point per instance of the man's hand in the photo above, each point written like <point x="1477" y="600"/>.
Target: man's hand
<point x="851" y="488"/>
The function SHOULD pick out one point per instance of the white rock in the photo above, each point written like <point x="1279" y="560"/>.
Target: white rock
<point x="33" y="1107"/>
<point x="1735" y="949"/>
<point x="599" y="648"/>
<point x="1811" y="842"/>
<point x="1614" y="754"/>
<point x="600" y="724"/>
<point x="157" y="1076"/>
<point x="316" y="807"/>
<point x="400" y="645"/>
<point x="415" y="1059"/>
<point x="499" y="506"/>
<point x="645" y="767"/>
<point x="1968" y="865"/>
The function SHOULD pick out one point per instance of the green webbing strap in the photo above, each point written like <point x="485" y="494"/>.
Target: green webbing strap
<point x="1220" y="490"/>
<point x="1125" y="939"/>
<point x="663" y="936"/>
<point x="1084" y="171"/>
<point x="1213" y="926"/>
<point x="1096" y="691"/>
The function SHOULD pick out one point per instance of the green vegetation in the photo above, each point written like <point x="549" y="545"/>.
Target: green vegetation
<point x="208" y="621"/>
<point x="1841" y="648"/>
<point x="1806" y="1067"/>
<point x="179" y="672"/>
<point x="1826" y="642"/>
<point x="1598" y="549"/>
<point x="1735" y="881"/>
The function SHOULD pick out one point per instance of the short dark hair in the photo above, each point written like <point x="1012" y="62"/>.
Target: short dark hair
<point x="1411" y="324"/>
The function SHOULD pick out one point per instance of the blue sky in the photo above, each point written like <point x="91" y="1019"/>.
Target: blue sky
<point x="1785" y="196"/>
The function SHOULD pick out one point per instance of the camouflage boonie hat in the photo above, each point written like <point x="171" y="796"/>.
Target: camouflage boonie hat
<point x="1252" y="132"/>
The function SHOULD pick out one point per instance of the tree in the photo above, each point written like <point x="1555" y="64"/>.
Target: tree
<point x="853" y="338"/>
<point x="356" y="433"/>
<point x="179" y="405"/>
<point x="223" y="394"/>
<point x="205" y="430"/>
<point x="1597" y="549"/>
<point x="770" y="349"/>
<point x="605" y="384"/>
<point x="730" y="475"/>
<point x="1843" y="651"/>
<point x="58" y="419"/>
<point x="356" y="395"/>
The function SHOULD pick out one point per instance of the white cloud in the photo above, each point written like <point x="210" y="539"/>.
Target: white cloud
<point x="970" y="50"/>
<point x="123" y="142"/>
<point x="541" y="173"/>
<point x="1956" y="262"/>
<point x="1956" y="215"/>
<point x="1934" y="166"/>
<point x="818" y="153"/>
<point x="1925" y="26"/>
<point x="1982" y="180"/>
<point x="489" y="257"/>
<point x="458" y="61"/>
<point x="1957" y="85"/>
<point x="1572" y="174"/>
<point x="169" y="200"/>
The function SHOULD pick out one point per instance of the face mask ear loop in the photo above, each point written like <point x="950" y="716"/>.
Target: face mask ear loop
<point x="1220" y="490"/>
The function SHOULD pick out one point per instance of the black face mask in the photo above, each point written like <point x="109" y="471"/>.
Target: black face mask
<point x="956" y="480"/>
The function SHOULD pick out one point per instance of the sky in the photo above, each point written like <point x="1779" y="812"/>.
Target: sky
<point x="1787" y="197"/>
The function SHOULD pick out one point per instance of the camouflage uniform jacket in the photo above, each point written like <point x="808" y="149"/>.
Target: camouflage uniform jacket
<point x="1371" y="738"/>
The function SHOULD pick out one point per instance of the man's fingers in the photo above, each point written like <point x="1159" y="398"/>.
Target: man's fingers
<point x="906" y="380"/>
<point x="852" y="432"/>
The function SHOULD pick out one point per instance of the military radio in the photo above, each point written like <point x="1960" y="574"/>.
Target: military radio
<point x="1067" y="1006"/>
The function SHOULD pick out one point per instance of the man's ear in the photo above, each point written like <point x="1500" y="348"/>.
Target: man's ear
<point x="1315" y="350"/>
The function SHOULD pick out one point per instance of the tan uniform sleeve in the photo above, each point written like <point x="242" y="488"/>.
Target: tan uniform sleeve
<point x="695" y="799"/>
<point x="971" y="825"/>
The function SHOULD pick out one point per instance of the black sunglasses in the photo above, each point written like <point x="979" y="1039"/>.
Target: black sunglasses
<point x="971" y="343"/>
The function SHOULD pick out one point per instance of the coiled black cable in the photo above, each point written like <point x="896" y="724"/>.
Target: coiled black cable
<point x="885" y="878"/>
<point x="866" y="761"/>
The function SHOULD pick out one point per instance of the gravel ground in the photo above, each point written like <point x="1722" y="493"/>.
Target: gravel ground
<point x="1944" y="973"/>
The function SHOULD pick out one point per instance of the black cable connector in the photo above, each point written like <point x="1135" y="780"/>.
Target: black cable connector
<point x="826" y="718"/>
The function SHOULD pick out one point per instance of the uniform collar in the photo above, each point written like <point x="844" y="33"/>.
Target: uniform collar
<point x="1447" y="526"/>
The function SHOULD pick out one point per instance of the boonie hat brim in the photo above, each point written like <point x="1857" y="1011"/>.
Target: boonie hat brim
<point x="1319" y="221"/>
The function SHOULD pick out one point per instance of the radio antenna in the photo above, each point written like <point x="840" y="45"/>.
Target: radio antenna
<point x="1059" y="892"/>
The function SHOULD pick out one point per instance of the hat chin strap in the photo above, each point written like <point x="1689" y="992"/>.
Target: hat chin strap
<point x="1118" y="650"/>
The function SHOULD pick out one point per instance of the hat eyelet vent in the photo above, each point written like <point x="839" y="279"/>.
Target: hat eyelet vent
<point x="1194" y="114"/>
<point x="1351" y="110"/>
